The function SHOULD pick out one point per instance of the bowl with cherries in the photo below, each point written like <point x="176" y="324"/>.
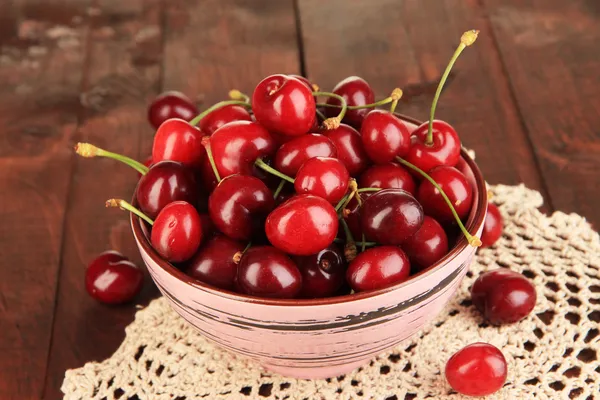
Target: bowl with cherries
<point x="307" y="230"/>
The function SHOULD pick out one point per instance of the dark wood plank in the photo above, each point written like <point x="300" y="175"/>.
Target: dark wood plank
<point x="552" y="54"/>
<point x="408" y="44"/>
<point x="124" y="70"/>
<point x="41" y="64"/>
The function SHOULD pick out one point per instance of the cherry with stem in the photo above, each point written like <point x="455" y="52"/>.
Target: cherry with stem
<point x="123" y="205"/>
<point x="211" y="159"/>
<point x="334" y="122"/>
<point x="279" y="188"/>
<point x="394" y="97"/>
<point x="88" y="150"/>
<point x="216" y="106"/>
<point x="235" y="94"/>
<point x="473" y="240"/>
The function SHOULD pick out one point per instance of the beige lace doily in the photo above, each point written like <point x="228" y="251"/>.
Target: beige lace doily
<point x="553" y="354"/>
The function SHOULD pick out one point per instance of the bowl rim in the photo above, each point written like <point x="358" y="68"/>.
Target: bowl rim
<point x="473" y="223"/>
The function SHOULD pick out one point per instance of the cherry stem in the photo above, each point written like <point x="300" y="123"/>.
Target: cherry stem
<point x="216" y="106"/>
<point x="123" y="205"/>
<point x="334" y="122"/>
<point x="89" y="150"/>
<point x="266" y="167"/>
<point x="278" y="190"/>
<point x="321" y="115"/>
<point x="396" y="96"/>
<point x="379" y="103"/>
<point x="235" y="94"/>
<point x="211" y="160"/>
<point x="350" y="245"/>
<point x="473" y="240"/>
<point x="363" y="243"/>
<point x="362" y="190"/>
<point x="467" y="39"/>
<point x="346" y="199"/>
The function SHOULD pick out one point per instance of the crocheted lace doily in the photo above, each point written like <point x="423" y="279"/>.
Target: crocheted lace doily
<point x="552" y="354"/>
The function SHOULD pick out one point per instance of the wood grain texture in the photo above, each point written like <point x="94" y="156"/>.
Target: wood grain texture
<point x="41" y="60"/>
<point x="123" y="74"/>
<point x="408" y="44"/>
<point x="551" y="53"/>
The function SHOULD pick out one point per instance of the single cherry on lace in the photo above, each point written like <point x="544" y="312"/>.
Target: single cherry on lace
<point x="112" y="279"/>
<point x="291" y="155"/>
<point x="479" y="369"/>
<point x="325" y="177"/>
<point x="284" y="105"/>
<point x="171" y="104"/>
<point x="503" y="296"/>
<point x="378" y="268"/>
<point x="177" y="140"/>
<point x="215" y="263"/>
<point x="492" y="227"/>
<point x="357" y="92"/>
<point x="436" y="143"/>
<point x="323" y="273"/>
<point x="268" y="272"/>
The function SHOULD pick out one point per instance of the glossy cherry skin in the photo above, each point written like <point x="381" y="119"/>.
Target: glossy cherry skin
<point x="238" y="206"/>
<point x="147" y="162"/>
<point x="177" y="140"/>
<point x="503" y="296"/>
<point x="384" y="136"/>
<point x="388" y="176"/>
<point x="177" y="232"/>
<point x="357" y="92"/>
<point x="221" y="116"/>
<point x="477" y="370"/>
<point x="236" y="146"/>
<point x="492" y="227"/>
<point x="165" y="182"/>
<point x="112" y="279"/>
<point x="350" y="150"/>
<point x="214" y="263"/>
<point x="378" y="268"/>
<point x="390" y="216"/>
<point x="445" y="149"/>
<point x="303" y="225"/>
<point x="284" y="105"/>
<point x="456" y="187"/>
<point x="265" y="271"/>
<point x="171" y="104"/>
<point x="324" y="177"/>
<point x="291" y="155"/>
<point x="427" y="246"/>
<point x="323" y="273"/>
<point x="303" y="80"/>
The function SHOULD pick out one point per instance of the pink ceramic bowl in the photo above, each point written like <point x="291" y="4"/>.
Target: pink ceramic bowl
<point x="323" y="337"/>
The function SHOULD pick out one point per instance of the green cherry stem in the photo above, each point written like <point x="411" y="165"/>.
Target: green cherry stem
<point x="467" y="39"/>
<point x="206" y="143"/>
<point x="266" y="167"/>
<point x="362" y="190"/>
<point x="279" y="188"/>
<point x="123" y="205"/>
<point x="216" y="106"/>
<point x="334" y="122"/>
<point x="363" y="243"/>
<point x="350" y="246"/>
<point x="235" y="94"/>
<point x="379" y="103"/>
<point x="237" y="257"/>
<point x="473" y="240"/>
<point x="89" y="151"/>
<point x="396" y="96"/>
<point x="352" y="187"/>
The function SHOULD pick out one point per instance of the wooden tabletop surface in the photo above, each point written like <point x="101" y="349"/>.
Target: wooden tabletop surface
<point x="525" y="97"/>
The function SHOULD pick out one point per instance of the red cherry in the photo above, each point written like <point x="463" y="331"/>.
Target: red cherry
<point x="303" y="225"/>
<point x="303" y="80"/>
<point x="291" y="155"/>
<point x="384" y="136"/>
<point x="147" y="162"/>
<point x="503" y="296"/>
<point x="349" y="147"/>
<point x="324" y="177"/>
<point x="238" y="206"/>
<point x="390" y="216"/>
<point x="284" y="105"/>
<point x="428" y="245"/>
<point x="177" y="140"/>
<point x="477" y="370"/>
<point x="378" y="268"/>
<point x="445" y="149"/>
<point x="171" y="105"/>
<point x="112" y="279"/>
<point x="215" y="262"/>
<point x="165" y="182"/>
<point x="387" y="176"/>
<point x="267" y="272"/>
<point x="357" y="92"/>
<point x="221" y="116"/>
<point x="177" y="232"/>
<point x="492" y="227"/>
<point x="236" y="146"/>
<point x="456" y="187"/>
<point x="323" y="273"/>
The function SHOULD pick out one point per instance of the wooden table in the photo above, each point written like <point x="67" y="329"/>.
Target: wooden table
<point x="526" y="97"/>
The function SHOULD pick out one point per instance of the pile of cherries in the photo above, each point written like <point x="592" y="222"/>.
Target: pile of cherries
<point x="279" y="195"/>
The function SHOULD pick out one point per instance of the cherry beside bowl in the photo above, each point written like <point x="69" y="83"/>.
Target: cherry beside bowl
<point x="323" y="337"/>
